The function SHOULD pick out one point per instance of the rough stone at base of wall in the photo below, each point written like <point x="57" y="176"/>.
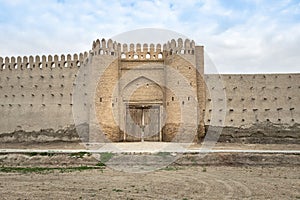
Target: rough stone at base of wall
<point x="261" y="133"/>
<point x="200" y="132"/>
<point x="82" y="131"/>
<point x="183" y="133"/>
<point x="169" y="131"/>
<point x="115" y="134"/>
<point x="68" y="134"/>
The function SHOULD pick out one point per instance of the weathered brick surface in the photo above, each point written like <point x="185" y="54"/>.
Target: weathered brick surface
<point x="90" y="92"/>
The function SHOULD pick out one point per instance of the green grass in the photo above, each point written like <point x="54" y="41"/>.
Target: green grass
<point x="163" y="154"/>
<point x="40" y="154"/>
<point x="46" y="169"/>
<point x="32" y="154"/>
<point x="117" y="190"/>
<point x="77" y="155"/>
<point x="105" y="157"/>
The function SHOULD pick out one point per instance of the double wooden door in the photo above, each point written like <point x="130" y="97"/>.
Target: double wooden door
<point x="142" y="123"/>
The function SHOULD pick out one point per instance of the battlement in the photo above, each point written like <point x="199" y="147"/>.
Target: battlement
<point x="103" y="47"/>
<point x="145" y="51"/>
<point x="49" y="61"/>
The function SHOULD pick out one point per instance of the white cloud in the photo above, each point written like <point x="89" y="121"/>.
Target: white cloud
<point x="245" y="37"/>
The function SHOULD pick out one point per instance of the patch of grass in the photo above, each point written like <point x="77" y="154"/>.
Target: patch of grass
<point x="204" y="169"/>
<point x="41" y="154"/>
<point x="45" y="169"/>
<point x="32" y="153"/>
<point x="101" y="164"/>
<point x="24" y="169"/>
<point x="163" y="154"/>
<point x="46" y="154"/>
<point x="80" y="154"/>
<point x="105" y="157"/>
<point x="117" y="190"/>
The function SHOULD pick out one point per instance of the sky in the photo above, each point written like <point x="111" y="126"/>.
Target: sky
<point x="239" y="36"/>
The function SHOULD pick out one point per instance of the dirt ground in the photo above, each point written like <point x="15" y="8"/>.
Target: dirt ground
<point x="188" y="182"/>
<point x="75" y="145"/>
<point x="227" y="176"/>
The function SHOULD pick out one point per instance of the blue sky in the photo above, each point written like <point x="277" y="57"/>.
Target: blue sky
<point x="240" y="36"/>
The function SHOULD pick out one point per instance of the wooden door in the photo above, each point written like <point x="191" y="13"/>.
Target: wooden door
<point x="133" y="124"/>
<point x="140" y="119"/>
<point x="151" y="119"/>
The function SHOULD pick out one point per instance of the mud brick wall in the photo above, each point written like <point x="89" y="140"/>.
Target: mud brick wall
<point x="37" y="95"/>
<point x="259" y="107"/>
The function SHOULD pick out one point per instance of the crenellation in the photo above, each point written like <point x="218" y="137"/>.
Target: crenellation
<point x="56" y="59"/>
<point x="173" y="44"/>
<point x="138" y="51"/>
<point x="37" y="60"/>
<point x="187" y="44"/>
<point x="103" y="43"/>
<point x="19" y="61"/>
<point x="180" y="42"/>
<point x="158" y="48"/>
<point x="115" y="48"/>
<point x="165" y="47"/>
<point x="138" y="48"/>
<point x="41" y="62"/>
<point x="152" y="51"/>
<point x="131" y="48"/>
<point x="110" y="45"/>
<point x="125" y="48"/>
<point x="69" y="58"/>
<point x="145" y="48"/>
<point x="62" y="58"/>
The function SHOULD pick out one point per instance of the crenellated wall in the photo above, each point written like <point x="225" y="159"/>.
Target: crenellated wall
<point x="36" y="97"/>
<point x="41" y="62"/>
<point x="37" y="94"/>
<point x="150" y="65"/>
<point x="143" y="52"/>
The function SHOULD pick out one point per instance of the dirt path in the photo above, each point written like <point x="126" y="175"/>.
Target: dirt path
<point x="171" y="183"/>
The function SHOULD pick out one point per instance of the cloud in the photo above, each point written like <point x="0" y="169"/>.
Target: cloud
<point x="265" y="42"/>
<point x="240" y="37"/>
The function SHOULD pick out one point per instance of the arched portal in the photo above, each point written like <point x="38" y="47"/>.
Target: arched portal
<point x="143" y="103"/>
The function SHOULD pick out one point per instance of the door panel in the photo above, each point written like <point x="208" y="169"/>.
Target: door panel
<point x="151" y="116"/>
<point x="138" y="116"/>
<point x="133" y="123"/>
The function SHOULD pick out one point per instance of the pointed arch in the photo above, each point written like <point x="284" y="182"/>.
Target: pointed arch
<point x="142" y="89"/>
